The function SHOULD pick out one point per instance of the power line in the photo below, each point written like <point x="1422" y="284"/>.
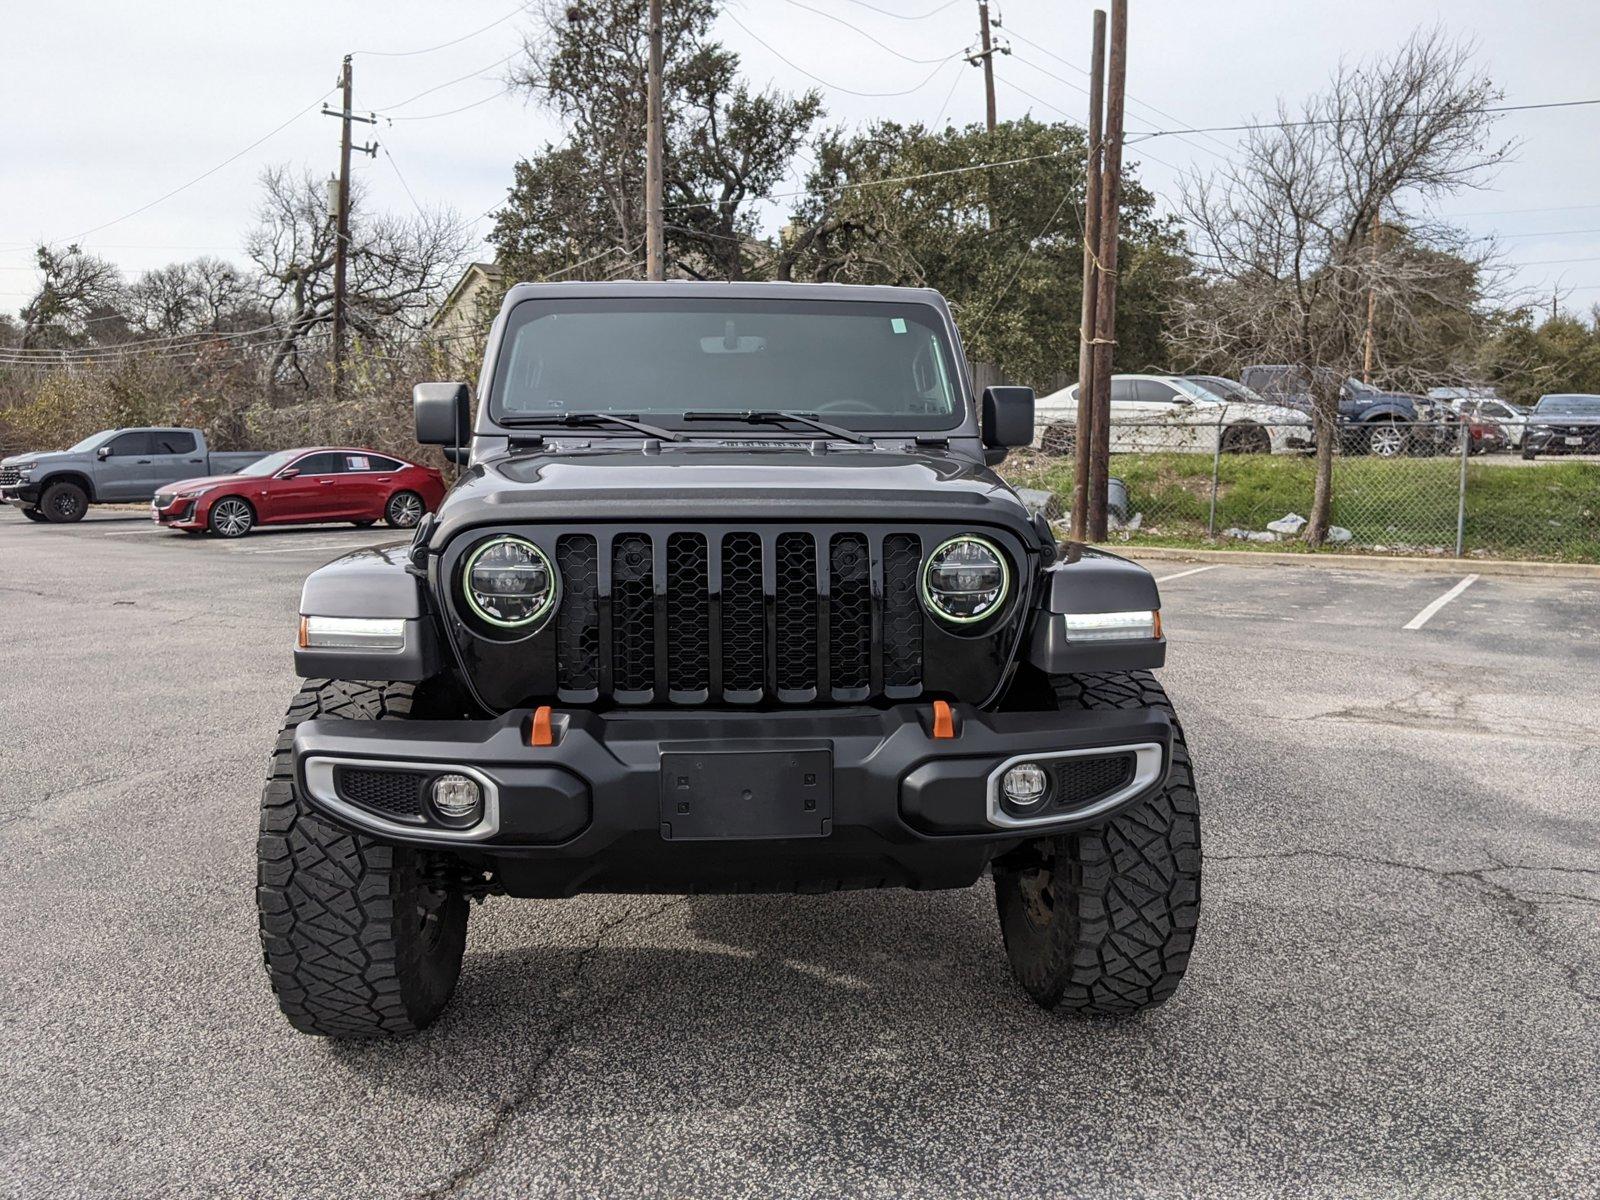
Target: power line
<point x="1022" y="261"/>
<point x="516" y="12"/>
<point x="1308" y="121"/>
<point x="1552" y="233"/>
<point x="1508" y="212"/>
<point x="451" y="112"/>
<point x="388" y="154"/>
<point x="834" y="86"/>
<point x="204" y="174"/>
<point x="385" y="109"/>
<point x="932" y="12"/>
<point x="875" y="41"/>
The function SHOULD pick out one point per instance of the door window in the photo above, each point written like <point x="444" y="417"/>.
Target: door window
<point x="325" y="463"/>
<point x="1124" y="391"/>
<point x="1151" y="392"/>
<point x="127" y="444"/>
<point x="173" y="441"/>
<point x="380" y="463"/>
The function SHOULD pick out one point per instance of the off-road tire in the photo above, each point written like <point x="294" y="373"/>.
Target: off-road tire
<point x="33" y="514"/>
<point x="1110" y="930"/>
<point x="356" y="943"/>
<point x="63" y="503"/>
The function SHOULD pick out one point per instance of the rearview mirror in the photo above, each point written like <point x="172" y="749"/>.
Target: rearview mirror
<point x="443" y="413"/>
<point x="1007" y="416"/>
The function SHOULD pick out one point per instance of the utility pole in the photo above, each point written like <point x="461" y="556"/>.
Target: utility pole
<point x="655" y="234"/>
<point x="985" y="55"/>
<point x="1372" y="305"/>
<point x="341" y="217"/>
<point x="1091" y="283"/>
<point x="1105" y="316"/>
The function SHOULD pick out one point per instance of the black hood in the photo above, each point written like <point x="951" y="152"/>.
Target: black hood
<point x="618" y="480"/>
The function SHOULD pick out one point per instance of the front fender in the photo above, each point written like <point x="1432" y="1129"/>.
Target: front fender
<point x="1084" y="580"/>
<point x="370" y="583"/>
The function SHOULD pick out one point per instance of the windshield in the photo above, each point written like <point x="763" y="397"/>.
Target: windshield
<point x="1588" y="406"/>
<point x="272" y="463"/>
<point x="88" y="443"/>
<point x="858" y="364"/>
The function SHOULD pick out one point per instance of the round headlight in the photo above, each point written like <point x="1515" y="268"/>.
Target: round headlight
<point x="965" y="579"/>
<point x="509" y="582"/>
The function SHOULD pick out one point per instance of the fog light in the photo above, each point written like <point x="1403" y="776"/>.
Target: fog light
<point x="1025" y="785"/>
<point x="457" y="798"/>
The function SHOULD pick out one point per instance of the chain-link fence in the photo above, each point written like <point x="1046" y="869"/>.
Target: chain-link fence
<point x="1422" y="488"/>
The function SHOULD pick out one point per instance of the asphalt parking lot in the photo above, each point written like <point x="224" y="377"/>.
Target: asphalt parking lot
<point x="1396" y="989"/>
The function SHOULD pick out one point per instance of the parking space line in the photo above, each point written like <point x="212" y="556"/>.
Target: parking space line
<point x="1427" y="614"/>
<point x="1192" y="571"/>
<point x="312" y="547"/>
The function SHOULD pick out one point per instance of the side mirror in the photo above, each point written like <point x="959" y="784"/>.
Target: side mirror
<point x="1183" y="401"/>
<point x="288" y="472"/>
<point x="457" y="454"/>
<point x="103" y="453"/>
<point x="443" y="413"/>
<point x="1007" y="418"/>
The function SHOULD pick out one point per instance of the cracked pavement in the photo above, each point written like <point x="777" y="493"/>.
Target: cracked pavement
<point x="1396" y="989"/>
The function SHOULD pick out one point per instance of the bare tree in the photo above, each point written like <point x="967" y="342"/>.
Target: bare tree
<point x="77" y="292"/>
<point x="398" y="267"/>
<point x="206" y="295"/>
<point x="1284" y="232"/>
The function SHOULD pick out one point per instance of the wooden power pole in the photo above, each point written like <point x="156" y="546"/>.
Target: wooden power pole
<point x="1091" y="282"/>
<point x="655" y="233"/>
<point x="341" y="217"/>
<point x="1372" y="305"/>
<point x="985" y="56"/>
<point x="1105" y="315"/>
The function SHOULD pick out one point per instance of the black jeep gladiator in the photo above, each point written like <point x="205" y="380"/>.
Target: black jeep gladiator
<point x="728" y="599"/>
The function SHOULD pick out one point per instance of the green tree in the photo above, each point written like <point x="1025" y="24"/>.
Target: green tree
<point x="1004" y="245"/>
<point x="578" y="205"/>
<point x="1561" y="354"/>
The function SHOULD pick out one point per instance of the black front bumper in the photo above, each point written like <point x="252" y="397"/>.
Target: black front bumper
<point x="20" y="495"/>
<point x="606" y="809"/>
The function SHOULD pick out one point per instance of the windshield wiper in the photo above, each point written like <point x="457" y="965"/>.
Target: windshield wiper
<point x="759" y="417"/>
<point x="574" y="420"/>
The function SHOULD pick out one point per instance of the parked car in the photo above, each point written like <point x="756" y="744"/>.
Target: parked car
<point x="302" y="487"/>
<point x="1371" y="421"/>
<point x="1170" y="412"/>
<point x="1563" y="423"/>
<point x="657" y="640"/>
<point x="1484" y="436"/>
<point x="1512" y="419"/>
<point x="114" y="465"/>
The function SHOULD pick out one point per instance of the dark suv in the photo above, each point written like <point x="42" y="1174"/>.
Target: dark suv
<point x="1371" y="421"/>
<point x="728" y="599"/>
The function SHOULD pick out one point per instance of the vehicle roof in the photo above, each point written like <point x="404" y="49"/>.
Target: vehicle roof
<point x="693" y="289"/>
<point x="1570" y="396"/>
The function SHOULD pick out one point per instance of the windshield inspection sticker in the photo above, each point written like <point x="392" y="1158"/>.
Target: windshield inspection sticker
<point x="898" y="324"/>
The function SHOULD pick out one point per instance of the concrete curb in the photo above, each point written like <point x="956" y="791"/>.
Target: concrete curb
<point x="1369" y="562"/>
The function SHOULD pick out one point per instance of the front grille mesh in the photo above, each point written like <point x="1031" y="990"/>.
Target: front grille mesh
<point x="739" y="616"/>
<point x="1081" y="780"/>
<point x="393" y="793"/>
<point x="10" y="476"/>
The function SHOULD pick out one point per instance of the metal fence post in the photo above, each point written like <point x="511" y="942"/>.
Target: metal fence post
<point x="1461" y="494"/>
<point x="1216" y="467"/>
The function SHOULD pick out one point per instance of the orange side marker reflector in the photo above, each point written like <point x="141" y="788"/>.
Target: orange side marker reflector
<point x="539" y="731"/>
<point x="944" y="721"/>
<point x="1157" y="615"/>
<point x="305" y="632"/>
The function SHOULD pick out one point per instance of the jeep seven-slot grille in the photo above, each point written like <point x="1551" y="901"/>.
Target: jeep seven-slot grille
<point x="10" y="476"/>
<point x="738" y="616"/>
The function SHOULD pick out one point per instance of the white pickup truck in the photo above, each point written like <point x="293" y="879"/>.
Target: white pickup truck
<point x="110" y="467"/>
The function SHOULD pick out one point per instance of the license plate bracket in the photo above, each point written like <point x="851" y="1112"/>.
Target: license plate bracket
<point x="715" y="794"/>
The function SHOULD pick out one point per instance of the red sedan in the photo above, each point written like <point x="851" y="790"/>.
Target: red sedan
<point x="302" y="487"/>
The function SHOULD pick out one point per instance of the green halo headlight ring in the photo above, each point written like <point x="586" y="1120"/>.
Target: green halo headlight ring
<point x="524" y="623"/>
<point x="1000" y="598"/>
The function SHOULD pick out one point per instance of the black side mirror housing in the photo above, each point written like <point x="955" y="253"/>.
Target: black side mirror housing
<point x="443" y="413"/>
<point x="1007" y="419"/>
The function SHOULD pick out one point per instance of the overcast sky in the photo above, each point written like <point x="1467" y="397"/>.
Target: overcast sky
<point x="110" y="105"/>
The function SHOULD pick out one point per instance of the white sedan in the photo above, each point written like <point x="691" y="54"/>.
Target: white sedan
<point x="1168" y="412"/>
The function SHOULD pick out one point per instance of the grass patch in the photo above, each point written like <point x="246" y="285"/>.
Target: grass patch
<point x="1545" y="511"/>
